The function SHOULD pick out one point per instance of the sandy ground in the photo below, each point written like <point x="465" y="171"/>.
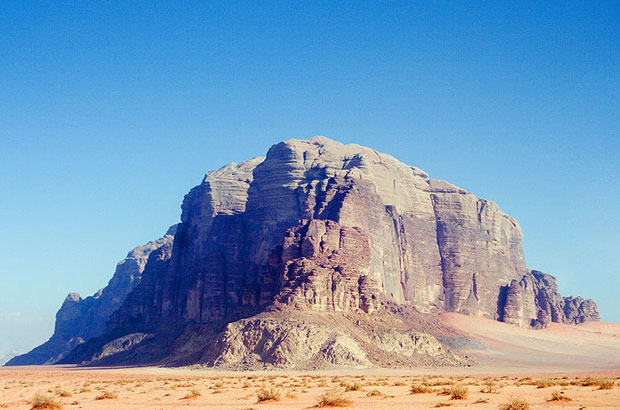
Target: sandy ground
<point x="589" y="346"/>
<point x="578" y="362"/>
<point x="168" y="389"/>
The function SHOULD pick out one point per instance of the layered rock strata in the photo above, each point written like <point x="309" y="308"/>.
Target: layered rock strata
<point x="321" y="228"/>
<point x="535" y="298"/>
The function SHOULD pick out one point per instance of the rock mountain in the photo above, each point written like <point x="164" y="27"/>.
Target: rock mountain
<point x="318" y="255"/>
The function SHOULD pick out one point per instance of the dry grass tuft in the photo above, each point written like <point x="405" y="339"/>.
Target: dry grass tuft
<point x="543" y="383"/>
<point x="62" y="392"/>
<point x="351" y="386"/>
<point x="267" y="394"/>
<point x="605" y="384"/>
<point x="558" y="395"/>
<point x="106" y="395"/>
<point x="443" y="404"/>
<point x="41" y="401"/>
<point x="333" y="398"/>
<point x="193" y="394"/>
<point x="420" y="388"/>
<point x="374" y="393"/>
<point x="490" y="387"/>
<point x="458" y="392"/>
<point x="515" y="403"/>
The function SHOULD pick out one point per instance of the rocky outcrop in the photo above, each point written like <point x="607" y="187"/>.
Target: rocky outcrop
<point x="320" y="228"/>
<point x="80" y="319"/>
<point x="323" y="265"/>
<point x="535" y="301"/>
<point x="281" y="344"/>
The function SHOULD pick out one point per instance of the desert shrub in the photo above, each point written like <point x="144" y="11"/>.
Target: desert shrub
<point x="515" y="403"/>
<point x="374" y="393"/>
<point x="605" y="384"/>
<point x="351" y="386"/>
<point x="435" y="383"/>
<point x="443" y="404"/>
<point x="588" y="381"/>
<point x="41" y="401"/>
<point x="543" y="383"/>
<point x="267" y="394"/>
<point x="480" y="401"/>
<point x="333" y="398"/>
<point x="558" y="395"/>
<point x="419" y="388"/>
<point x="106" y="395"/>
<point x="458" y="392"/>
<point x="62" y="392"/>
<point x="489" y="387"/>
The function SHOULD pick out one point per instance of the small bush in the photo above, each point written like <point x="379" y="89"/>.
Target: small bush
<point x="515" y="403"/>
<point x="458" y="393"/>
<point x="41" y="401"/>
<point x="489" y="387"/>
<point x="543" y="383"/>
<point x="605" y="384"/>
<point x="374" y="393"/>
<point x="443" y="404"/>
<point x="62" y="393"/>
<point x="419" y="389"/>
<point x="267" y="394"/>
<point x="558" y="395"/>
<point x="351" y="386"/>
<point x="106" y="395"/>
<point x="333" y="398"/>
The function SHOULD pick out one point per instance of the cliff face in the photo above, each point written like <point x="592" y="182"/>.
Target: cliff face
<point x="328" y="231"/>
<point x="430" y="243"/>
<point x="80" y="319"/>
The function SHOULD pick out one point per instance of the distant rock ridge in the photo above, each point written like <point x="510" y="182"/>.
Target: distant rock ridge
<point x="273" y="246"/>
<point x="80" y="319"/>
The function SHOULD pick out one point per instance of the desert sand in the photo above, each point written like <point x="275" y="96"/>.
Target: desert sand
<point x="580" y="365"/>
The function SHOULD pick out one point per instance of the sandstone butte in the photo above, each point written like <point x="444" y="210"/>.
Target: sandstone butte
<point x="319" y="255"/>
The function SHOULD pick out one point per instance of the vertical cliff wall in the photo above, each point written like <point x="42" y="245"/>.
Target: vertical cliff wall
<point x="315" y="226"/>
<point x="430" y="244"/>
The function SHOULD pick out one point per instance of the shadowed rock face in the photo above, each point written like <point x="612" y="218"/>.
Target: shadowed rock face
<point x="430" y="244"/>
<point x="325" y="266"/>
<point x="323" y="228"/>
<point x="80" y="319"/>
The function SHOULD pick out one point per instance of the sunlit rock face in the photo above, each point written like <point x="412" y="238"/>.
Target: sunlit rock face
<point x="427" y="242"/>
<point x="315" y="228"/>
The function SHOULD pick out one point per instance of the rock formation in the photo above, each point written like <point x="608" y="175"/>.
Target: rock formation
<point x="535" y="298"/>
<point x="81" y="319"/>
<point x="333" y="249"/>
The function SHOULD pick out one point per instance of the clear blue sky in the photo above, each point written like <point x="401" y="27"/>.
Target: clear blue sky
<point x="111" y="111"/>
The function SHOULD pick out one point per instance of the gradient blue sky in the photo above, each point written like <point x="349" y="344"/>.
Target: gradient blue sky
<point x="111" y="111"/>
